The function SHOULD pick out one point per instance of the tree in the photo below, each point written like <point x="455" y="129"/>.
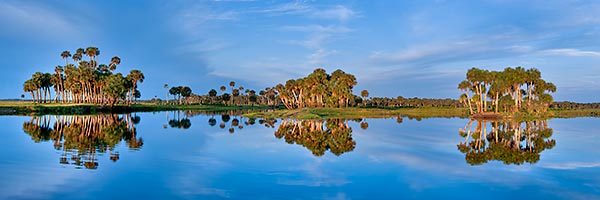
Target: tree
<point x="364" y="94"/>
<point x="226" y="97"/>
<point x="115" y="88"/>
<point x="92" y="52"/>
<point x="212" y="94"/>
<point x="175" y="92"/>
<point x="66" y="55"/>
<point x="166" y="86"/>
<point x="114" y="61"/>
<point x="235" y="93"/>
<point x="134" y="77"/>
<point x="186" y="92"/>
<point x="232" y="85"/>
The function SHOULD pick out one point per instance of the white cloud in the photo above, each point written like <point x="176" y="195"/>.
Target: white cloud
<point x="572" y="165"/>
<point x="283" y="9"/>
<point x="317" y="57"/>
<point x="338" y="12"/>
<point x="570" y="52"/>
<point x="318" y="28"/>
<point x="319" y="36"/>
<point x="25" y="18"/>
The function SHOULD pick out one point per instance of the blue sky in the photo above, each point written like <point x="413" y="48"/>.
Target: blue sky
<point x="408" y="48"/>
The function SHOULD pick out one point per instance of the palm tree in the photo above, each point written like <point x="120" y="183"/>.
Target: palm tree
<point x="92" y="52"/>
<point x="235" y="93"/>
<point x="135" y="76"/>
<point x="212" y="94"/>
<point x="114" y="61"/>
<point x="364" y="94"/>
<point x="65" y="55"/>
<point x="465" y="86"/>
<point x="166" y="86"/>
<point x="76" y="58"/>
<point x="232" y="85"/>
<point x="174" y="91"/>
<point x="186" y="92"/>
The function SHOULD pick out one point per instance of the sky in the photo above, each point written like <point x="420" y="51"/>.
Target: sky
<point x="394" y="48"/>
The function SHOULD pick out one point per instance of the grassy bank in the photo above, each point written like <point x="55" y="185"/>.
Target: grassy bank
<point x="576" y="113"/>
<point x="324" y="113"/>
<point x="29" y="108"/>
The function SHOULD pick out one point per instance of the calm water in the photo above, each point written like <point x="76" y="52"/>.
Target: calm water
<point x="165" y="155"/>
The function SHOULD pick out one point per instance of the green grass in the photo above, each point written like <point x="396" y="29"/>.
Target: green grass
<point x="29" y="108"/>
<point x="350" y="113"/>
<point x="576" y="113"/>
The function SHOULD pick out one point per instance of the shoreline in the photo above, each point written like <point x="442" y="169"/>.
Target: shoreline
<point x="27" y="109"/>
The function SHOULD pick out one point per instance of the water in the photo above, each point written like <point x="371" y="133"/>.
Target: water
<point x="171" y="156"/>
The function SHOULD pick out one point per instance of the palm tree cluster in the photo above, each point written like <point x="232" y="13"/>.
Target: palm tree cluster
<point x="86" y="81"/>
<point x="318" y="136"/>
<point x="511" y="90"/>
<point x="82" y="138"/>
<point x="180" y="91"/>
<point x="509" y="142"/>
<point x="318" y="89"/>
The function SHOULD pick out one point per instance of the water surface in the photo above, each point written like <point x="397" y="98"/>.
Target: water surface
<point x="197" y="156"/>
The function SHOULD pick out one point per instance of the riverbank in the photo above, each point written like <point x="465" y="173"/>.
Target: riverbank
<point x="326" y="113"/>
<point x="29" y="108"/>
<point x="428" y="112"/>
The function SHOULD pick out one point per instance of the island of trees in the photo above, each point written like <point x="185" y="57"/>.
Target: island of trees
<point x="510" y="91"/>
<point x="85" y="81"/>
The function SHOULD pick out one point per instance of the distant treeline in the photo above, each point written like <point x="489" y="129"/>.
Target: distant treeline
<point x="567" y="105"/>
<point x="318" y="89"/>
<point x="410" y="102"/>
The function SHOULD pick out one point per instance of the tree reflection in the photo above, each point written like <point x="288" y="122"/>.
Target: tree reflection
<point x="178" y="121"/>
<point x="507" y="141"/>
<point x="82" y="138"/>
<point x="318" y="136"/>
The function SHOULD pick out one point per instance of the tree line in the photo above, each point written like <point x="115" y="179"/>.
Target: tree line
<point x="85" y="81"/>
<point x="567" y="105"/>
<point x="511" y="90"/>
<point x="233" y="95"/>
<point x="414" y="102"/>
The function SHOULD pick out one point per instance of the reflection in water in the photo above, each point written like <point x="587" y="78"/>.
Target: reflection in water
<point x="178" y="121"/>
<point x="81" y="138"/>
<point x="318" y="136"/>
<point x="239" y="122"/>
<point x="509" y="142"/>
